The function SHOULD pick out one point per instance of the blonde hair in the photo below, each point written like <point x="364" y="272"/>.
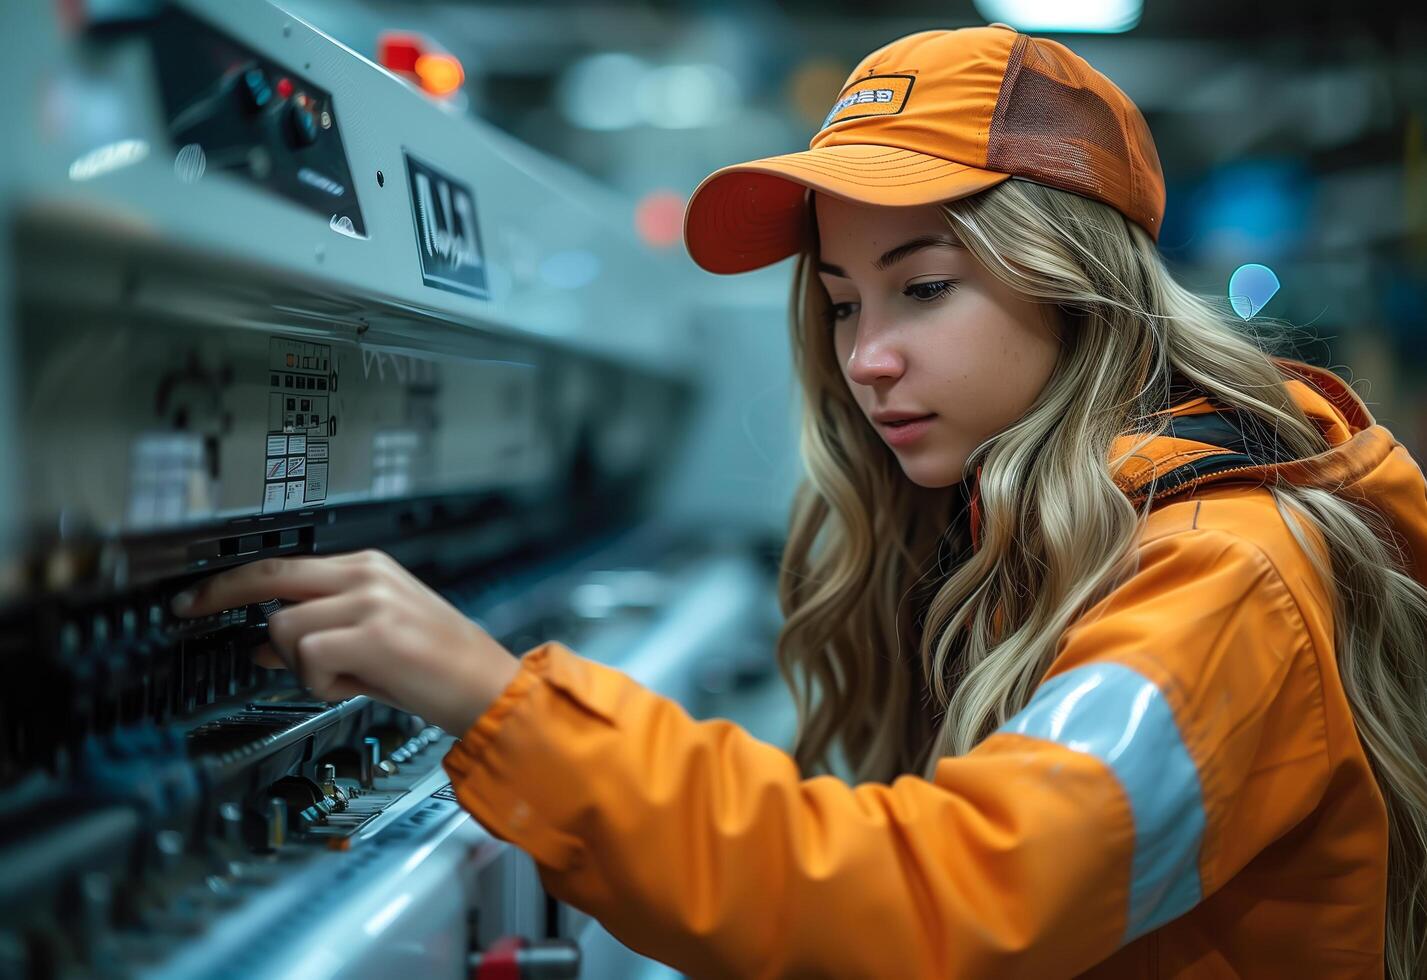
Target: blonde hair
<point x="892" y="642"/>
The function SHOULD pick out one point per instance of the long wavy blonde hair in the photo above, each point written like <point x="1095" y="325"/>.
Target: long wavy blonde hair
<point x="890" y="644"/>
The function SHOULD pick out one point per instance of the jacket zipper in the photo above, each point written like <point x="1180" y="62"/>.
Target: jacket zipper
<point x="1190" y="484"/>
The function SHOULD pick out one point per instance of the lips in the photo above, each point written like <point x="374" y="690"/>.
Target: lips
<point x="904" y="432"/>
<point x="895" y="422"/>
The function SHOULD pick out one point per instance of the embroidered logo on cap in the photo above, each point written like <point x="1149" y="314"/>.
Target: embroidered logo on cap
<point x="875" y="95"/>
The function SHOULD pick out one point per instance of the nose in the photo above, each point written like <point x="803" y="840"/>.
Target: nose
<point x="875" y="356"/>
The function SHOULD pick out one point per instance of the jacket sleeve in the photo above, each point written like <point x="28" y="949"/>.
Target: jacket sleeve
<point x="1094" y="815"/>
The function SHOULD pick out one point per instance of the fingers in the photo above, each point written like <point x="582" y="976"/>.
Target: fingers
<point x="343" y="687"/>
<point x="336" y="688"/>
<point x="294" y="579"/>
<point x="291" y="623"/>
<point x="332" y="665"/>
<point x="266" y="656"/>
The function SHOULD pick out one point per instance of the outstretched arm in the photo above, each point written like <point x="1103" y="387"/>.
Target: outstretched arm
<point x="1113" y="803"/>
<point x="1090" y="818"/>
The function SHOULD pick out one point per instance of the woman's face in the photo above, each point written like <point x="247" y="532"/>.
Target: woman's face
<point x="921" y="328"/>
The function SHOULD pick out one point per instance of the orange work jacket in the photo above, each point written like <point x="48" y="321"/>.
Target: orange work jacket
<point x="1184" y="796"/>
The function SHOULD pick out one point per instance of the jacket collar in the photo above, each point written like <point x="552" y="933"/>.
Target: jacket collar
<point x="1205" y="445"/>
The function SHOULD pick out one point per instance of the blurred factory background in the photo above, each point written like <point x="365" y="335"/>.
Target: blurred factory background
<point x="546" y="409"/>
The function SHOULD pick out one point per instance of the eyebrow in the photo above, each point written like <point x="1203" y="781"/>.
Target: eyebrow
<point x="895" y="255"/>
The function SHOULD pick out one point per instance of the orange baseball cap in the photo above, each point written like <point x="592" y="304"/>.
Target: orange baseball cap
<point x="931" y="117"/>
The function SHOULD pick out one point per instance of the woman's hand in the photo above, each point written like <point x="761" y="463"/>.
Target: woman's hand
<point x="361" y="624"/>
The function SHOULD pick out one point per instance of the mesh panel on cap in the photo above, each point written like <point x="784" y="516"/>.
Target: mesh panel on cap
<point x="1059" y="123"/>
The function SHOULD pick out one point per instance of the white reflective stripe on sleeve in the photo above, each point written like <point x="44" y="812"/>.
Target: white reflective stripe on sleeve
<point x="1118" y="716"/>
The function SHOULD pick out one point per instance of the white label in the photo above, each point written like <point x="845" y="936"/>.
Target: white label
<point x="316" y="451"/>
<point x="296" y="466"/>
<point x="277" y="445"/>
<point x="295" y="492"/>
<point x="317" y="482"/>
<point x="296" y="444"/>
<point x="277" y="469"/>
<point x="273" y="496"/>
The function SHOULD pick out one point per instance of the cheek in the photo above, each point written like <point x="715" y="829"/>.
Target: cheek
<point x="841" y="345"/>
<point x="842" y="340"/>
<point x="990" y="361"/>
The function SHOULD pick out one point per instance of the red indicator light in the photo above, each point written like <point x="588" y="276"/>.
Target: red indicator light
<point x="284" y="87"/>
<point x="398" y="51"/>
<point x="421" y="61"/>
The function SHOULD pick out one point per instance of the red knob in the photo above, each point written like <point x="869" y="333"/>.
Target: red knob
<point x="516" y="958"/>
<point x="500" y="961"/>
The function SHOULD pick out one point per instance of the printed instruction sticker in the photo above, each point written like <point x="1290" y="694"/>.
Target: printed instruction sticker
<point x="316" y="482"/>
<point x="296" y="490"/>
<point x="290" y="480"/>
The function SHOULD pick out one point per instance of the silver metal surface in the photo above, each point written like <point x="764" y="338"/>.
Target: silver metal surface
<point x="143" y="387"/>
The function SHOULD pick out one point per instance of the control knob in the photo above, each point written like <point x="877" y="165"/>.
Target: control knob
<point x="302" y="120"/>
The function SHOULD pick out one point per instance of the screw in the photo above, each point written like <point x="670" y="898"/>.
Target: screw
<point x="277" y="823"/>
<point x="371" y="753"/>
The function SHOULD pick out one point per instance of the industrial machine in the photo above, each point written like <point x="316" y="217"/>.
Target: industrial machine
<point x="260" y="298"/>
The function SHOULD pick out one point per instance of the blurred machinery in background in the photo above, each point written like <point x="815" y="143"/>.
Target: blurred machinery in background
<point x="259" y="298"/>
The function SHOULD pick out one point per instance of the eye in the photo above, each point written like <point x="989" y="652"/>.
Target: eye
<point x="927" y="291"/>
<point x="838" y="312"/>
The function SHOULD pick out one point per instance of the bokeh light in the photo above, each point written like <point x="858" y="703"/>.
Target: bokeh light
<point x="659" y="218"/>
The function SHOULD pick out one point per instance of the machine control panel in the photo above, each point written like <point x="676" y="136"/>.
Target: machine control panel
<point x="230" y="109"/>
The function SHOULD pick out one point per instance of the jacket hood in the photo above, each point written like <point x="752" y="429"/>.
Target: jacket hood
<point x="1206" y="444"/>
<point x="1364" y="462"/>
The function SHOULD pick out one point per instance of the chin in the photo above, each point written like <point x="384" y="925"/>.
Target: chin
<point x="934" y="475"/>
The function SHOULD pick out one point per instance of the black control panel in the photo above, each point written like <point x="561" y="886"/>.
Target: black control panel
<point x="232" y="110"/>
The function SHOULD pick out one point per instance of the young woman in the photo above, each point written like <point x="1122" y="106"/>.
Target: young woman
<point x="1116" y="618"/>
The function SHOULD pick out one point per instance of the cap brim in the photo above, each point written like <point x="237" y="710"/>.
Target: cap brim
<point x="750" y="215"/>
